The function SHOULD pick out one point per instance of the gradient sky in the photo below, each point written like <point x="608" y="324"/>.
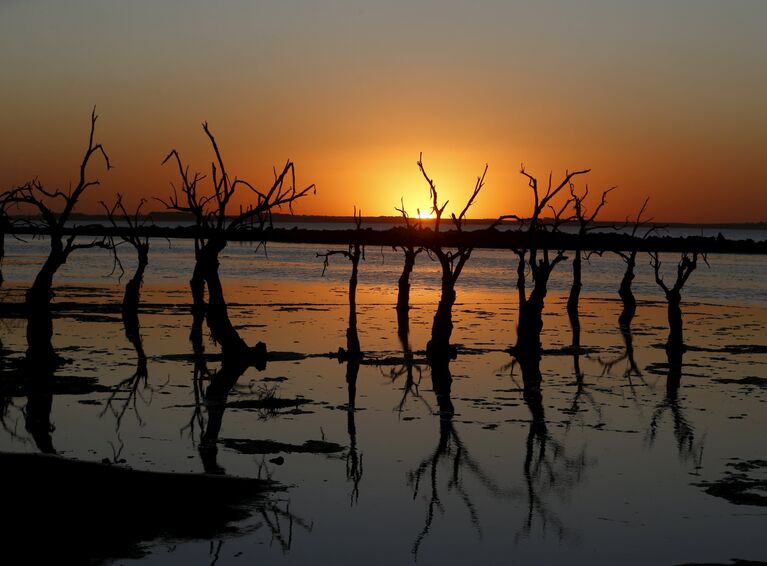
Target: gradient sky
<point x="663" y="99"/>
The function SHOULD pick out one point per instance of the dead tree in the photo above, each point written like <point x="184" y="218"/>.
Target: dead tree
<point x="410" y="252"/>
<point x="585" y="221"/>
<point x="130" y="235"/>
<point x="629" y="257"/>
<point x="538" y="259"/>
<point x="214" y="228"/>
<point x="452" y="263"/>
<point x="685" y="267"/>
<point x="34" y="195"/>
<point x="353" y="254"/>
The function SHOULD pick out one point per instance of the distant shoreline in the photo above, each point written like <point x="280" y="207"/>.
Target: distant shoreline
<point x="398" y="220"/>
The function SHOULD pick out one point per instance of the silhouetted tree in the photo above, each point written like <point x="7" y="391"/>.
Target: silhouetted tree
<point x="353" y="254"/>
<point x="410" y="253"/>
<point x="624" y="291"/>
<point x="214" y="227"/>
<point x="539" y="260"/>
<point x="685" y="267"/>
<point x="129" y="234"/>
<point x="34" y="195"/>
<point x="452" y="263"/>
<point x="585" y="220"/>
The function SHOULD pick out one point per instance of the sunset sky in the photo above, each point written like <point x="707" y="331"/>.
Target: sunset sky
<point x="666" y="99"/>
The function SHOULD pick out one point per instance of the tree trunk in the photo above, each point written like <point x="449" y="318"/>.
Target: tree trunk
<point x="132" y="294"/>
<point x="403" y="295"/>
<point x="521" y="279"/>
<point x="216" y="313"/>
<point x="352" y="338"/>
<point x="442" y="327"/>
<point x="221" y="328"/>
<point x="625" y="293"/>
<point x="575" y="289"/>
<point x="38" y="301"/>
<point x="675" y="343"/>
<point x="531" y="319"/>
<point x="197" y="286"/>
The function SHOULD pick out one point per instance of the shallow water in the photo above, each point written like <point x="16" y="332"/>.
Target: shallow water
<point x="610" y="466"/>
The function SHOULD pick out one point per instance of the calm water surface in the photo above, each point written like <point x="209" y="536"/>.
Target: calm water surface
<point x="610" y="465"/>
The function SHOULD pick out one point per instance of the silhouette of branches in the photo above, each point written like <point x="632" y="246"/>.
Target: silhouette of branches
<point x="451" y="262"/>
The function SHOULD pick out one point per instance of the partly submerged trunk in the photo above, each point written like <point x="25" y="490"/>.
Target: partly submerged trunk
<point x="576" y="348"/>
<point x="575" y="289"/>
<point x="674" y="377"/>
<point x="531" y="320"/>
<point x="403" y="285"/>
<point x="197" y="286"/>
<point x="352" y="338"/>
<point x="675" y="341"/>
<point x="625" y="292"/>
<point x="132" y="295"/>
<point x="40" y="293"/>
<point x="442" y="327"/>
<point x="403" y="297"/>
<point x="38" y="301"/>
<point x="221" y="328"/>
<point x="217" y="315"/>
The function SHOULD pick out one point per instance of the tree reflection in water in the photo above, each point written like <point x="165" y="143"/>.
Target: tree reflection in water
<point x="450" y="453"/>
<point x="136" y="387"/>
<point x="689" y="448"/>
<point x="547" y="469"/>
<point x="353" y="456"/>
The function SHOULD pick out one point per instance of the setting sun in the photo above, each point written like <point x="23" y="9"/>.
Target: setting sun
<point x="423" y="214"/>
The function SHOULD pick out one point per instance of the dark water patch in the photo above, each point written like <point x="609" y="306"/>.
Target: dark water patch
<point x="301" y="308"/>
<point x="256" y="446"/>
<point x="95" y="317"/>
<point x="750" y="380"/>
<point x="117" y="508"/>
<point x="15" y="384"/>
<point x="732" y="562"/>
<point x="739" y="485"/>
<point x="267" y="403"/>
<point x="735" y="349"/>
